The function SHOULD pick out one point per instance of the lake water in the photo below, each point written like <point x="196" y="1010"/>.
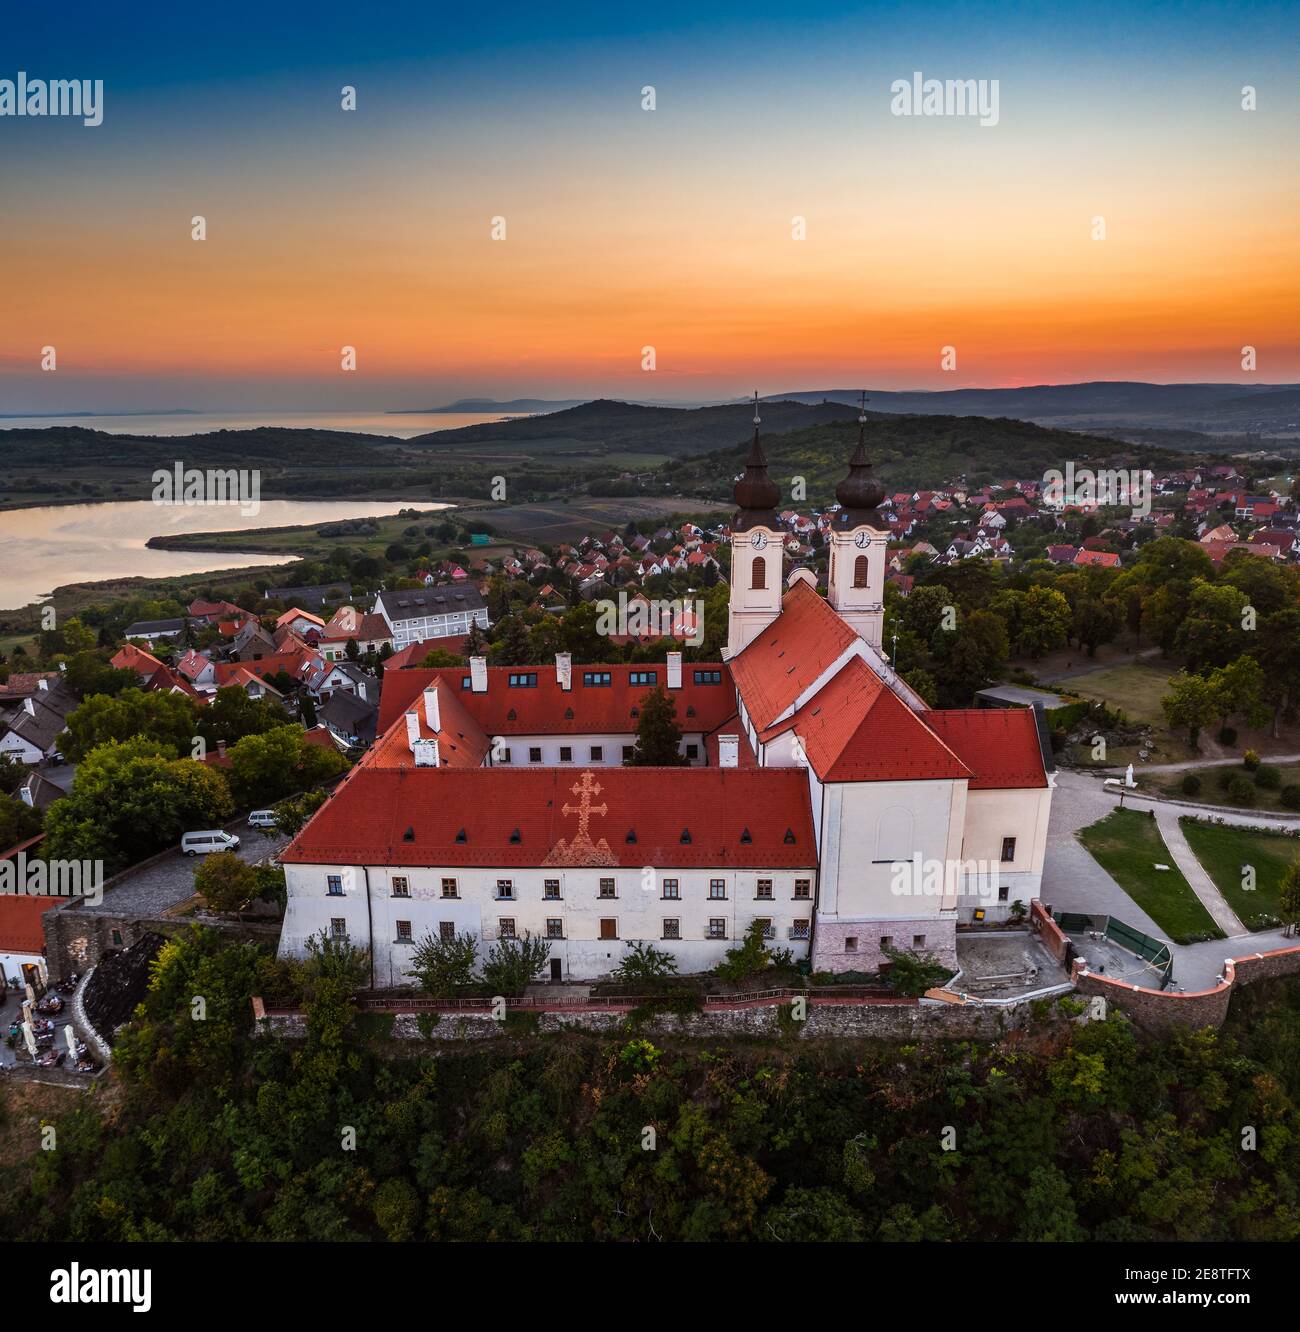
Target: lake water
<point x="44" y="548"/>
<point x="403" y="425"/>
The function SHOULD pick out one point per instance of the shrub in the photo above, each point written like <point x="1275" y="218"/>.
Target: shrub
<point x="644" y="964"/>
<point x="514" y="963"/>
<point x="1268" y="778"/>
<point x="1291" y="797"/>
<point x="1228" y="735"/>
<point x="1250" y="759"/>
<point x="1191" y="784"/>
<point x="1240" y="790"/>
<point x="914" y="973"/>
<point x="747" y="959"/>
<point x="443" y="965"/>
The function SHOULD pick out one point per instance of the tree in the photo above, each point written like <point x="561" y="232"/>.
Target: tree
<point x="1190" y="703"/>
<point x="265" y="768"/>
<point x="658" y="736"/>
<point x="1289" y="898"/>
<point x="1044" y="622"/>
<point x="226" y="883"/>
<point x="351" y="650"/>
<point x="232" y="715"/>
<point x="1238" y="690"/>
<point x="1275" y="650"/>
<point x="170" y="719"/>
<point x="442" y="966"/>
<point x="88" y="673"/>
<point x="1211" y="632"/>
<point x="18" y="821"/>
<point x="513" y="964"/>
<point x="129" y="799"/>
<point x="291" y="815"/>
<point x="512" y="649"/>
<point x="13" y="772"/>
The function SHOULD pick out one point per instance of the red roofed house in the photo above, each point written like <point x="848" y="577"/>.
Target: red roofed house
<point x="369" y="631"/>
<point x="132" y="658"/>
<point x="821" y="796"/>
<point x="22" y="936"/>
<point x="1105" y="559"/>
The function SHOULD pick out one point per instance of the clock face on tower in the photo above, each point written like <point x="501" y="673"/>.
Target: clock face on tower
<point x="862" y="540"/>
<point x="758" y="540"/>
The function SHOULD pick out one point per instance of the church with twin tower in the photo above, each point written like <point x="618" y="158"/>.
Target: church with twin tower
<point x="820" y="797"/>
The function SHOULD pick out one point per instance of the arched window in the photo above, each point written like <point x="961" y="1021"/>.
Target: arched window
<point x="758" y="575"/>
<point x="894" y="836"/>
<point x="860" y="571"/>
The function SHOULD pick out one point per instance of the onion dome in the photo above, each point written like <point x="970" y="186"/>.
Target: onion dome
<point x="859" y="492"/>
<point x="756" y="493"/>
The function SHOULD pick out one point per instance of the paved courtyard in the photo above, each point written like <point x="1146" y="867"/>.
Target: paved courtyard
<point x="165" y="883"/>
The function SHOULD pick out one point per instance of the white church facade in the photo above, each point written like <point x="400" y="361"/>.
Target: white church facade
<point x="821" y="795"/>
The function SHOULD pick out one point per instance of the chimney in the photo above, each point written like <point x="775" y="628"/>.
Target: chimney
<point x="426" y="753"/>
<point x="674" y="670"/>
<point x="728" y="751"/>
<point x="478" y="675"/>
<point x="221" y="749"/>
<point x="412" y="730"/>
<point x="564" y="670"/>
<point x="43" y="684"/>
<point x="432" y="713"/>
<point x="29" y="707"/>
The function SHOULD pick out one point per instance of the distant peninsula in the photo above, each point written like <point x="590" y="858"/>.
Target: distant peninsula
<point x="492" y="405"/>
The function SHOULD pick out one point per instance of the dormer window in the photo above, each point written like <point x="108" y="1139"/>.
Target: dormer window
<point x="685" y="837"/>
<point x="462" y="836"/>
<point x="745" y="838"/>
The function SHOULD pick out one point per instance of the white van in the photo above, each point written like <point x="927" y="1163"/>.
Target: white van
<point x="262" y="818"/>
<point x="203" y="843"/>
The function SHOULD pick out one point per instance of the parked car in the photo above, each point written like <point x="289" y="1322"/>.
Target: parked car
<point x="205" y="842"/>
<point x="262" y="818"/>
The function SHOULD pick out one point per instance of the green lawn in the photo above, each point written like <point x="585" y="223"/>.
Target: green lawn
<point x="1223" y="850"/>
<point x="1134" y="689"/>
<point x="1129" y="846"/>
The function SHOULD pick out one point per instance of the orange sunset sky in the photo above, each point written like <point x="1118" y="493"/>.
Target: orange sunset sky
<point x="670" y="228"/>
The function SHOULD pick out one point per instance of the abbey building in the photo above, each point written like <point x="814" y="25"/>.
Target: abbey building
<point x="821" y="797"/>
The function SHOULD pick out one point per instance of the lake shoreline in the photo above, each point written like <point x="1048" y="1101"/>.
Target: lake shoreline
<point x="103" y="550"/>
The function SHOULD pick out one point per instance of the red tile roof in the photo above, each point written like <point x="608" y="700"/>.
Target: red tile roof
<point x="413" y="653"/>
<point x="999" y="745"/>
<point x="1107" y="558"/>
<point x="462" y="742"/>
<point x="132" y="658"/>
<point x="20" y="921"/>
<point x="366" y="820"/>
<point x="789" y="655"/>
<point x="857" y="729"/>
<point x="543" y="710"/>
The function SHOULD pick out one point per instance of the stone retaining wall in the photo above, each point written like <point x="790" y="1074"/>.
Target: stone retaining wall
<point x="880" y="1021"/>
<point x="1165" y="1010"/>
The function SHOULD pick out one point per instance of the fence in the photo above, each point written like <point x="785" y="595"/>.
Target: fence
<point x="1155" y="951"/>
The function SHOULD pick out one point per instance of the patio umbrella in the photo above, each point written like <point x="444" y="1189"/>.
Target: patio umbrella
<point x="30" y="1037"/>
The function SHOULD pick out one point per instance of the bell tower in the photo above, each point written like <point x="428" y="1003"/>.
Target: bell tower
<point x="858" y="538"/>
<point x="757" y="551"/>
